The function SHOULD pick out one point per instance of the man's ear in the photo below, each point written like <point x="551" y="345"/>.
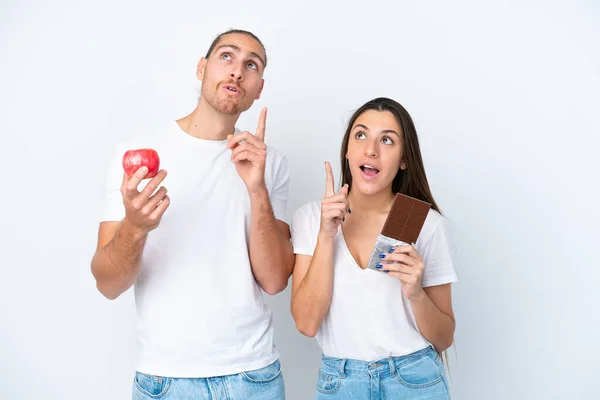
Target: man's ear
<point x="262" y="84"/>
<point x="201" y="68"/>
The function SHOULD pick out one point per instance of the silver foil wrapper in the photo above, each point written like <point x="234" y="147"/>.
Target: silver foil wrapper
<point x="382" y="245"/>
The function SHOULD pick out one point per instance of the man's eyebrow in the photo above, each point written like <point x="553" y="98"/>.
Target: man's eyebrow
<point x="233" y="46"/>
<point x="253" y="54"/>
<point x="236" y="48"/>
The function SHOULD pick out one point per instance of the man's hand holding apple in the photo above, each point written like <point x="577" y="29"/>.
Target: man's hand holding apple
<point x="143" y="210"/>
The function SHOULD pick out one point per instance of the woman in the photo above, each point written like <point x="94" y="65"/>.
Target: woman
<point x="381" y="331"/>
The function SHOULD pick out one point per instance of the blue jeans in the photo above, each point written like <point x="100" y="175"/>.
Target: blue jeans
<point x="264" y="383"/>
<point x="419" y="375"/>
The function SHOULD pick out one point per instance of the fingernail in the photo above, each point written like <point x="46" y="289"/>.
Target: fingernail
<point x="391" y="250"/>
<point x="379" y="265"/>
<point x="386" y="270"/>
<point x="343" y="219"/>
<point x="349" y="211"/>
<point x="381" y="255"/>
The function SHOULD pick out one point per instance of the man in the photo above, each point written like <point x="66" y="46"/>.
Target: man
<point x="199" y="256"/>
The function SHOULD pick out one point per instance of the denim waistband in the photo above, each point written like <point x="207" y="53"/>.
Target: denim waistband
<point x="383" y="367"/>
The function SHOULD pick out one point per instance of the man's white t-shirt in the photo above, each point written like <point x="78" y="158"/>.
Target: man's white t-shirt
<point x="369" y="319"/>
<point x="200" y="312"/>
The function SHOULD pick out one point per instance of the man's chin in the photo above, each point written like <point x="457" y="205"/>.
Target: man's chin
<point x="229" y="110"/>
<point x="228" y="107"/>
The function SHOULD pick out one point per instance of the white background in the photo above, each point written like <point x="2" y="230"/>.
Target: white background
<point x="505" y="96"/>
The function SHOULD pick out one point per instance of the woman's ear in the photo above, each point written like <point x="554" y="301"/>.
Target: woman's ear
<point x="403" y="165"/>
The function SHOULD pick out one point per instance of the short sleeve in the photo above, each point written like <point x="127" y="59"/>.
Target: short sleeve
<point x="113" y="208"/>
<point x="437" y="257"/>
<point x="303" y="230"/>
<point x="280" y="192"/>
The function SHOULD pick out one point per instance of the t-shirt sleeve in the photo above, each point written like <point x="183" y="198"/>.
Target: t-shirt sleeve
<point x="280" y="192"/>
<point x="437" y="257"/>
<point x="113" y="208"/>
<point x="304" y="232"/>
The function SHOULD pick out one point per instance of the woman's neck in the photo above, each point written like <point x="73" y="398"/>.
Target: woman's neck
<point x="371" y="203"/>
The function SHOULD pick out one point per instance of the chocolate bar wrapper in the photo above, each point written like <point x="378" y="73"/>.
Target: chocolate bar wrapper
<point x="382" y="245"/>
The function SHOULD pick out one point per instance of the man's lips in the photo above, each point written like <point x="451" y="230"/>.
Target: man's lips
<point x="231" y="89"/>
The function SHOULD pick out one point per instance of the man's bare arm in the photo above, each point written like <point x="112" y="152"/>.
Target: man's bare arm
<point x="115" y="264"/>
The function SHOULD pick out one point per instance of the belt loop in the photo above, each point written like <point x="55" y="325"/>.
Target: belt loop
<point x="342" y="368"/>
<point x="392" y="366"/>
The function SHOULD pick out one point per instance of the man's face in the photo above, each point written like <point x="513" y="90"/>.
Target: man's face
<point x="232" y="75"/>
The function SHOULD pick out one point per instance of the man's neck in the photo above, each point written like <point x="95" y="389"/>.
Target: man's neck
<point x="207" y="123"/>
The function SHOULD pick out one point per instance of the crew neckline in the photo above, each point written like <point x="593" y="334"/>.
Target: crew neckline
<point x="199" y="141"/>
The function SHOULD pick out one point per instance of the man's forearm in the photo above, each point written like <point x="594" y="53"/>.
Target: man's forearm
<point x="271" y="254"/>
<point x="116" y="265"/>
<point x="437" y="327"/>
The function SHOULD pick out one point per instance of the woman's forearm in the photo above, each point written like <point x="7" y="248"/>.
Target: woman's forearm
<point x="311" y="301"/>
<point x="435" y="326"/>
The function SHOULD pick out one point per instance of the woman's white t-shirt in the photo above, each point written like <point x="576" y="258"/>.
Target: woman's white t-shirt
<point x="369" y="319"/>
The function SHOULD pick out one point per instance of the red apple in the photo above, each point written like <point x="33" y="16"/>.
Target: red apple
<point x="135" y="159"/>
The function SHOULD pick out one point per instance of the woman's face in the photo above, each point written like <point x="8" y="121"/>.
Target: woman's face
<point x="375" y="151"/>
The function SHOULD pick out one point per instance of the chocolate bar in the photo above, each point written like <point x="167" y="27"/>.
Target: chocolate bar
<point x="406" y="218"/>
<point x="402" y="226"/>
